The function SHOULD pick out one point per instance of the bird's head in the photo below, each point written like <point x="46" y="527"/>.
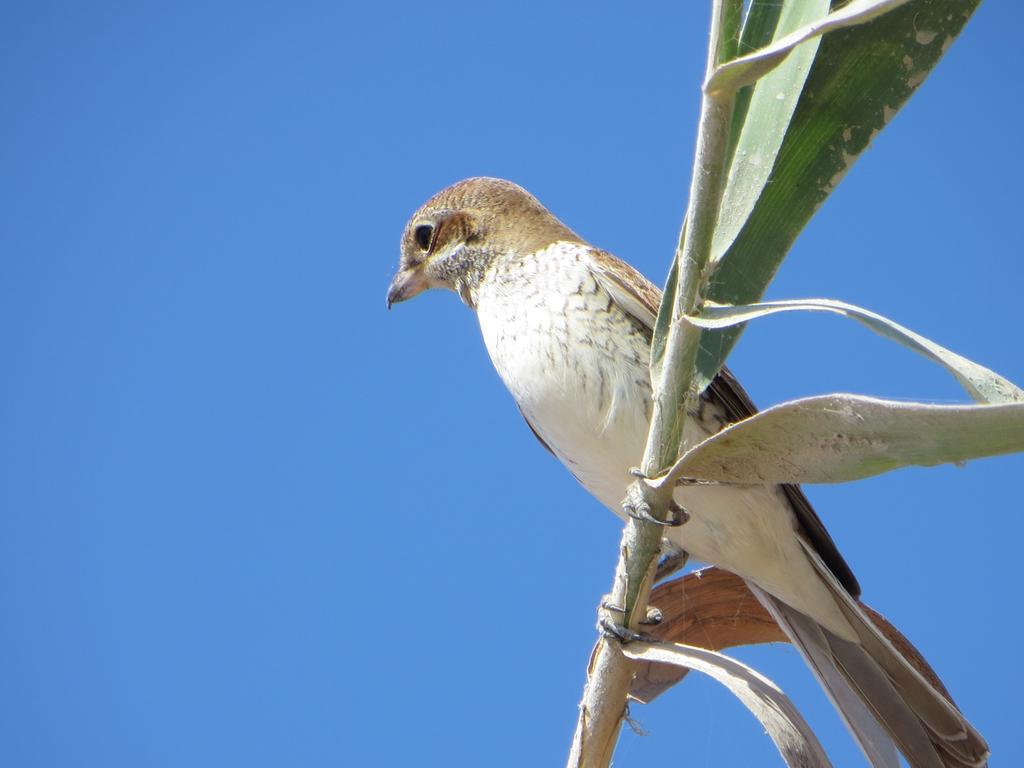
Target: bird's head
<point x="452" y="240"/>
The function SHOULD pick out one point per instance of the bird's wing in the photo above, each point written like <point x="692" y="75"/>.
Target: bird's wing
<point x="635" y="294"/>
<point x="640" y="298"/>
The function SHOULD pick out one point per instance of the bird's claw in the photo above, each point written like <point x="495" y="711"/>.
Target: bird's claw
<point x="653" y="618"/>
<point x="609" y="622"/>
<point x="636" y="506"/>
<point x="612" y="630"/>
<point x="607" y="606"/>
<point x="676" y="515"/>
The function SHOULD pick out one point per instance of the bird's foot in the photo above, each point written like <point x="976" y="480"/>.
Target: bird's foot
<point x="610" y="617"/>
<point x="673" y="561"/>
<point x="636" y="506"/>
<point x="612" y="631"/>
<point x="653" y="617"/>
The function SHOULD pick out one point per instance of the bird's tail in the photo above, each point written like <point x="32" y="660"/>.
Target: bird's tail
<point x="881" y="696"/>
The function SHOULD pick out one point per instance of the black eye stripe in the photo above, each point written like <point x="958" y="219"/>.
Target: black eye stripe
<point x="424" y="234"/>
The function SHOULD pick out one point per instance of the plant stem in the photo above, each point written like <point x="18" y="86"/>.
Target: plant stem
<point x="610" y="673"/>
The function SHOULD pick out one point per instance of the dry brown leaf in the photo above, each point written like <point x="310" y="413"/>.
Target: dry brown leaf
<point x="713" y="609"/>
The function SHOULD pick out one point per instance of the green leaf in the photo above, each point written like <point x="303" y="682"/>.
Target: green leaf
<point x="746" y="69"/>
<point x="662" y="323"/>
<point x="839" y="438"/>
<point x="729" y="40"/>
<point x="758" y="29"/>
<point x="759" y="25"/>
<point x="983" y="385"/>
<point x="860" y="78"/>
<point x="771" y="105"/>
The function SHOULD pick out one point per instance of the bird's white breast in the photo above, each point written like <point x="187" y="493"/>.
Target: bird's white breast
<point x="577" y="366"/>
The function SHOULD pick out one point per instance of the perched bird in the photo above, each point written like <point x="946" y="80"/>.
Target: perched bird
<point x="568" y="328"/>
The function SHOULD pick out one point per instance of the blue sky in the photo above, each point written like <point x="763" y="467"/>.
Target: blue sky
<point x="247" y="517"/>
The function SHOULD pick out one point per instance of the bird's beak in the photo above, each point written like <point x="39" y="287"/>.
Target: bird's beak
<point x="406" y="284"/>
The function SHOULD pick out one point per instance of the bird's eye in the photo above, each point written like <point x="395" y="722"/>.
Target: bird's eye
<point x="424" y="234"/>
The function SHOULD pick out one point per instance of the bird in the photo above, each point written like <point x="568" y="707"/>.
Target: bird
<point x="568" y="328"/>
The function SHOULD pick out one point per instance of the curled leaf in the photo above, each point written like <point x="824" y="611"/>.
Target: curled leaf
<point x="792" y="735"/>
<point x="983" y="385"/>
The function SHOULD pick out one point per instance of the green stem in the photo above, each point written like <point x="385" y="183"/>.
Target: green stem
<point x="611" y="673"/>
<point x="675" y="391"/>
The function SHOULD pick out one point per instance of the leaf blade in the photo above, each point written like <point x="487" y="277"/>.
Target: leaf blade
<point x="770" y="108"/>
<point x="841" y="437"/>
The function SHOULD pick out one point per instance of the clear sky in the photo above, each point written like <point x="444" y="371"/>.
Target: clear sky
<point x="247" y="517"/>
